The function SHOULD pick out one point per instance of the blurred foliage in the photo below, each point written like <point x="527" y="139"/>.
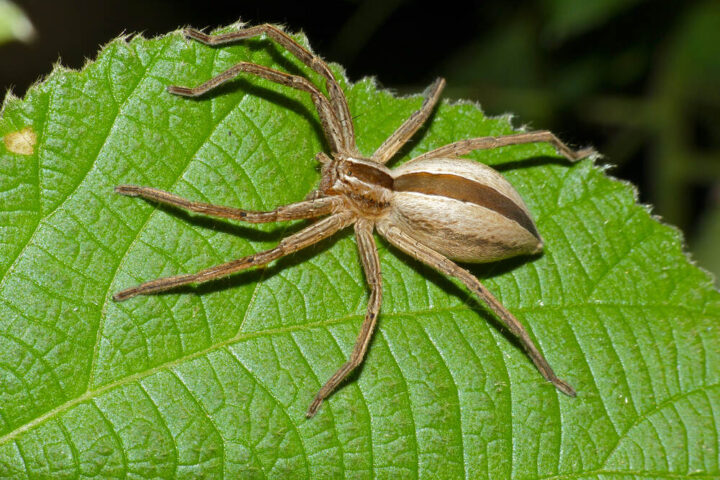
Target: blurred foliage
<point x="706" y="246"/>
<point x="14" y="24"/>
<point x="569" y="17"/>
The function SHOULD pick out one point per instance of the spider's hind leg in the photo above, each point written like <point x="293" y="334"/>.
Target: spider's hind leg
<point x="439" y="262"/>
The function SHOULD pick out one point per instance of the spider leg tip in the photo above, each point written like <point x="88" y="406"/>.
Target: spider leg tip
<point x="565" y="388"/>
<point x="587" y="152"/>
<point x="592" y="153"/>
<point x="128" y="190"/>
<point x="119" y="297"/>
<point x="314" y="406"/>
<point x="194" y="34"/>
<point x="126" y="294"/>
<point x="182" y="91"/>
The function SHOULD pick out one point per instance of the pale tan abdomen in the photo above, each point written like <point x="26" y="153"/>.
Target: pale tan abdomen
<point x="437" y="203"/>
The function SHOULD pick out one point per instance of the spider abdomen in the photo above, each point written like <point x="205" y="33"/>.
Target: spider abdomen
<point x="463" y="209"/>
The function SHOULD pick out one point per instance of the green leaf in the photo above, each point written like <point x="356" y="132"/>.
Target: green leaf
<point x="215" y="381"/>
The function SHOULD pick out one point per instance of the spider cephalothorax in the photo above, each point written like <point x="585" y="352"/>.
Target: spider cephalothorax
<point x="366" y="186"/>
<point x="436" y="207"/>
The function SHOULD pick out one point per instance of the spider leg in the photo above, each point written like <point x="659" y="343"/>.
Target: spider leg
<point x="304" y="238"/>
<point x="294" y="211"/>
<point x="439" y="262"/>
<point x="331" y="125"/>
<point x="405" y="131"/>
<point x="481" y="143"/>
<point x="337" y="96"/>
<point x="371" y="265"/>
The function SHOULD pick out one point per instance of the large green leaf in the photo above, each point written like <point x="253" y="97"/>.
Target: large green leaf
<point x="215" y="380"/>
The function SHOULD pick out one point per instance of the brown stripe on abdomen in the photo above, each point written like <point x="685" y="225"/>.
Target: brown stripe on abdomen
<point x="465" y="190"/>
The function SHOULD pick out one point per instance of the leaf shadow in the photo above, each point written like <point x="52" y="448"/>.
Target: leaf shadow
<point x="260" y="273"/>
<point x="220" y="225"/>
<point x="247" y="83"/>
<point x="284" y="101"/>
<point x="529" y="162"/>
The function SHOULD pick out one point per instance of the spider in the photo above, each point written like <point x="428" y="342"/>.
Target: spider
<point x="437" y="208"/>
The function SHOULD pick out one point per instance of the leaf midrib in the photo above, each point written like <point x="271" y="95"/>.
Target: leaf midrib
<point x="89" y="394"/>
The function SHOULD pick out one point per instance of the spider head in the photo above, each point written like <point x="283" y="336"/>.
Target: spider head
<point x="365" y="183"/>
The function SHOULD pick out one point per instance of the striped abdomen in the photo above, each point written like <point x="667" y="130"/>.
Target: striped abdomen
<point x="463" y="209"/>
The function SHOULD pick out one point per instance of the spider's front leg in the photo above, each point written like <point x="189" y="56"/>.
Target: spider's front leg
<point x="332" y="127"/>
<point x="338" y="101"/>
<point x="371" y="265"/>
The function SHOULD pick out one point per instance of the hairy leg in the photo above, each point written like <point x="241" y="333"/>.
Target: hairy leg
<point x="463" y="147"/>
<point x="304" y="238"/>
<point x="293" y="211"/>
<point x="395" y="141"/>
<point x="328" y="118"/>
<point x="439" y="262"/>
<point x="337" y="96"/>
<point x="371" y="265"/>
